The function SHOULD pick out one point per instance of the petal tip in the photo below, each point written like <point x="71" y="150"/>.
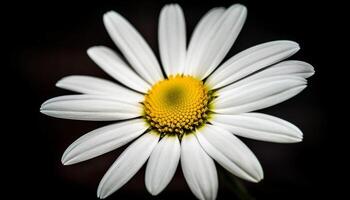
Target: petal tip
<point x="107" y="17"/>
<point x="172" y="5"/>
<point x="109" y="13"/>
<point x="153" y="191"/>
<point x="103" y="192"/>
<point x="239" y="5"/>
<point x="259" y="179"/>
<point x="42" y="110"/>
<point x="312" y="70"/>
<point x="150" y="188"/>
<point x="242" y="9"/>
<point x="92" y="50"/>
<point x="298" y="139"/>
<point x="100" y="194"/>
<point x="294" y="45"/>
<point x="61" y="82"/>
<point x="291" y="45"/>
<point x="66" y="161"/>
<point x="102" y="197"/>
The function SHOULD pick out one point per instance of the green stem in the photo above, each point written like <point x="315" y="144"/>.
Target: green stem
<point x="234" y="184"/>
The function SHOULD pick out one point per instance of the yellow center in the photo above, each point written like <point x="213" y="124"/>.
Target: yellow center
<point x="177" y="105"/>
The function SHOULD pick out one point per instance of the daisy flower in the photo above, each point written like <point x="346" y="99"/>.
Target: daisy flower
<point x="191" y="109"/>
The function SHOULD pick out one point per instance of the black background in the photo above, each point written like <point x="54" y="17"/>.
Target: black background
<point x="48" y="40"/>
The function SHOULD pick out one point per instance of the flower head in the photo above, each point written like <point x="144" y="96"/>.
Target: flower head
<point x="192" y="112"/>
<point x="177" y="105"/>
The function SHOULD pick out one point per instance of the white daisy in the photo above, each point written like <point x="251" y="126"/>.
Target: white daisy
<point x="192" y="112"/>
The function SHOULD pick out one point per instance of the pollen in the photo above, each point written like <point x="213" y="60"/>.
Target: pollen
<point x="177" y="105"/>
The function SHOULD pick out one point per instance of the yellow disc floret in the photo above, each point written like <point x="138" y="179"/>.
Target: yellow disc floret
<point x="177" y="105"/>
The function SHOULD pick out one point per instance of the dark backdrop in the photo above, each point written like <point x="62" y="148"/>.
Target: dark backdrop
<point x="48" y="40"/>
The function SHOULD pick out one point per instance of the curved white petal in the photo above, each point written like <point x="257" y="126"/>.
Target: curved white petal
<point x="133" y="46"/>
<point x="162" y="164"/>
<point x="199" y="34"/>
<point x="216" y="42"/>
<point x="98" y="86"/>
<point x="230" y="152"/>
<point x="198" y="168"/>
<point x="250" y="61"/>
<point x="102" y="140"/>
<point x="172" y="39"/>
<point x="289" y="67"/>
<point x="259" y="127"/>
<point x="257" y="94"/>
<point x="112" y="64"/>
<point x="90" y="107"/>
<point x="127" y="164"/>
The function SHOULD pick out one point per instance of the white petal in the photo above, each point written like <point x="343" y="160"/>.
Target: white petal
<point x="198" y="168"/>
<point x="103" y="140"/>
<point x="112" y="64"/>
<point x="133" y="47"/>
<point x="250" y="61"/>
<point x="98" y="86"/>
<point x="257" y="94"/>
<point x="216" y="41"/>
<point x="200" y="34"/>
<point x="230" y="152"/>
<point x="127" y="164"/>
<point x="289" y="67"/>
<point x="172" y="39"/>
<point x="259" y="127"/>
<point x="90" y="107"/>
<point x="162" y="164"/>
